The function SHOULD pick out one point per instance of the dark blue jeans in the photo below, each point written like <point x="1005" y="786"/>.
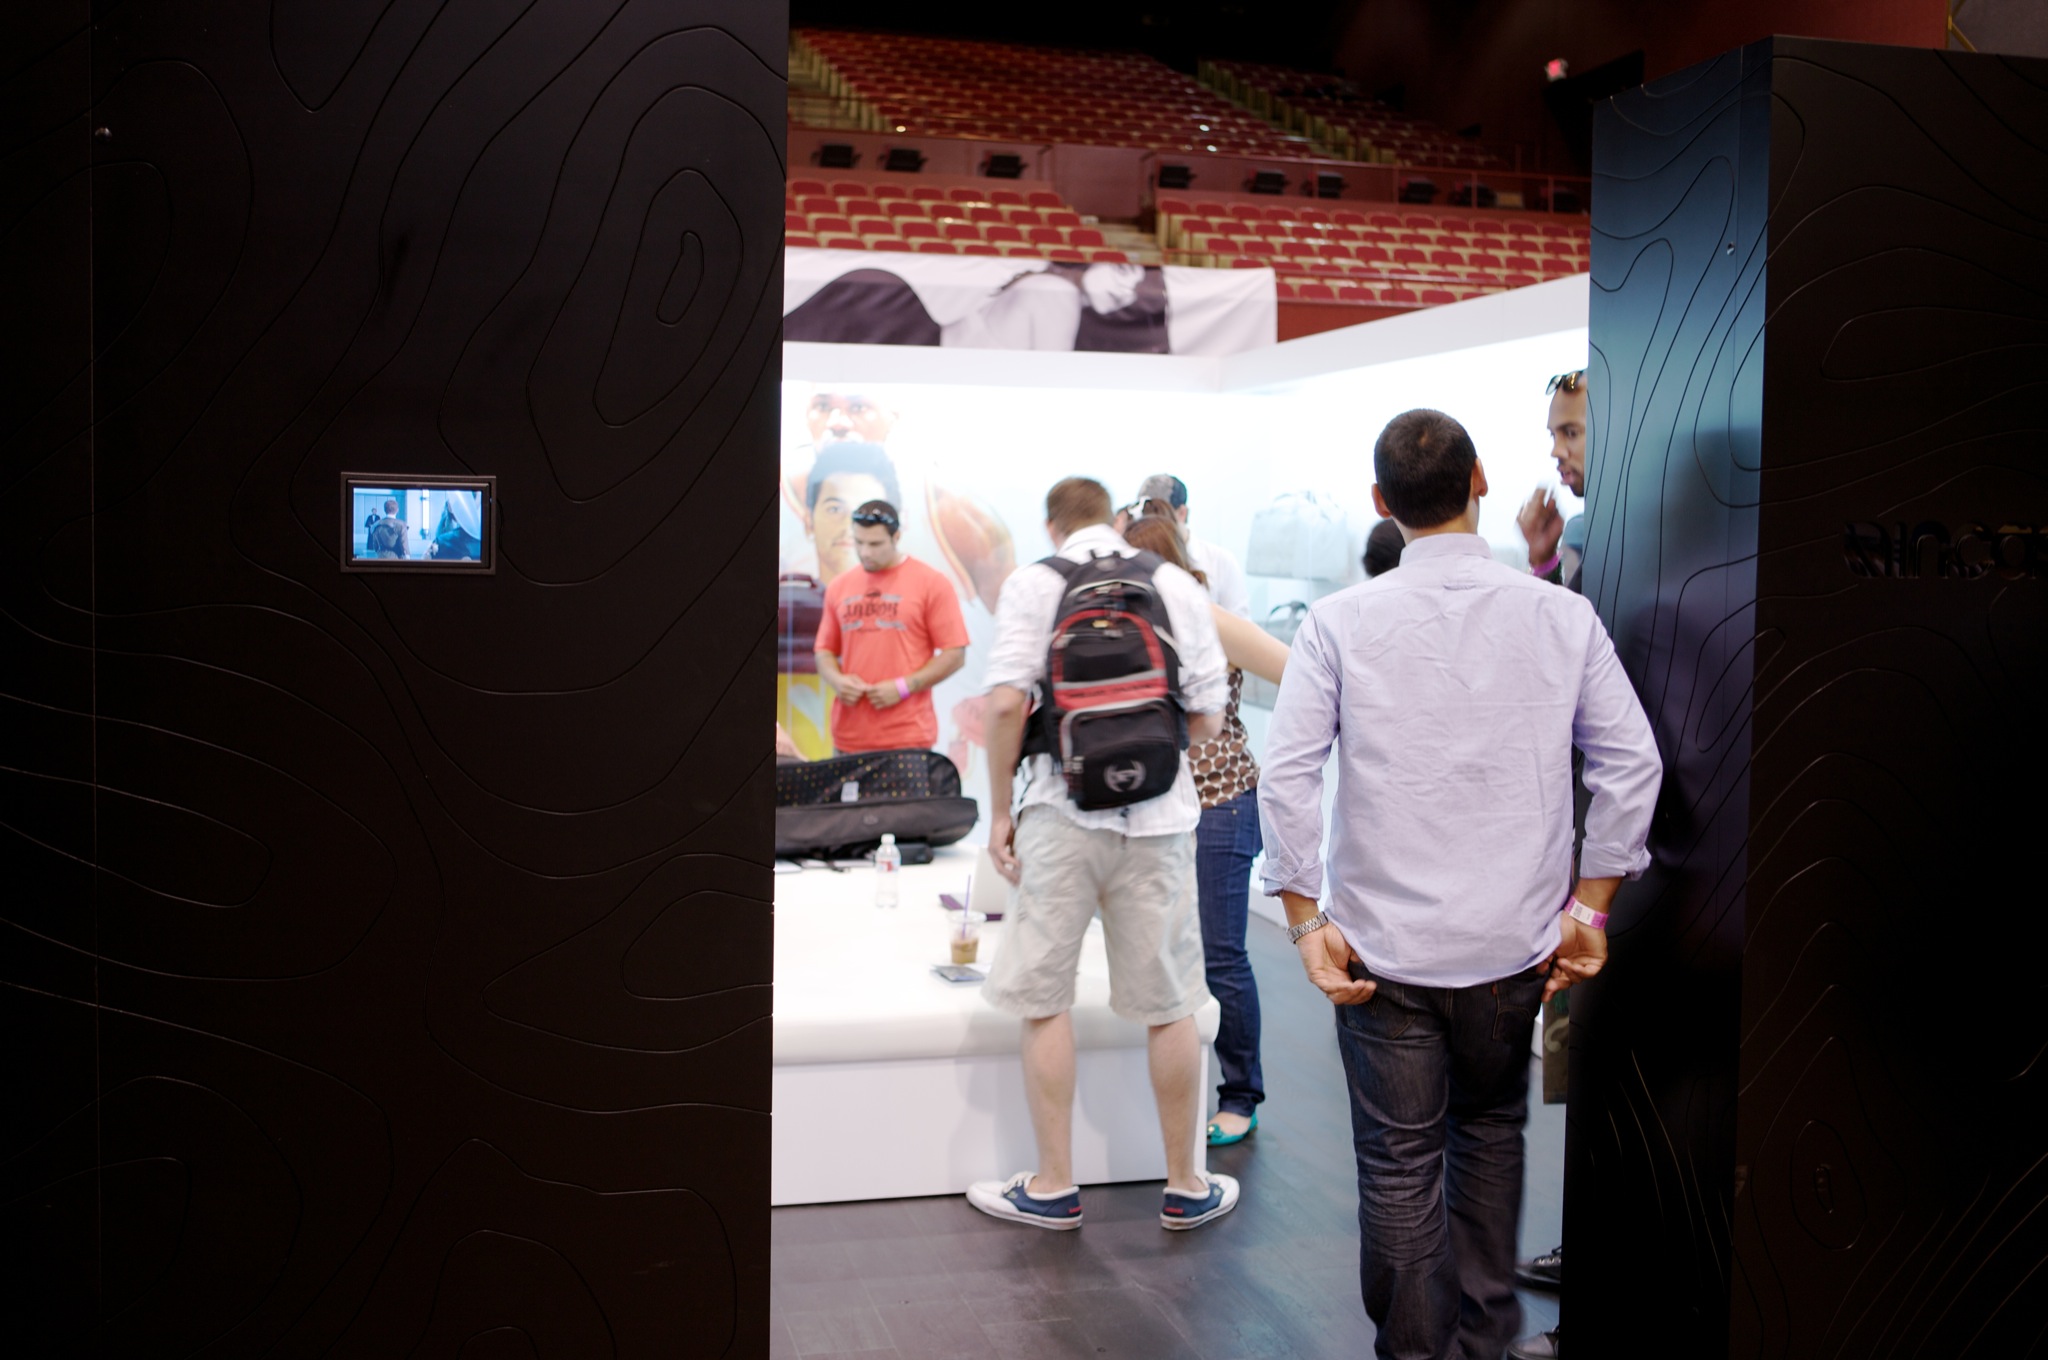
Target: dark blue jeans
<point x="1225" y="846"/>
<point x="1439" y="1083"/>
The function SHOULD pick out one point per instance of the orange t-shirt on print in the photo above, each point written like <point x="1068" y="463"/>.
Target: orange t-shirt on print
<point x="882" y="625"/>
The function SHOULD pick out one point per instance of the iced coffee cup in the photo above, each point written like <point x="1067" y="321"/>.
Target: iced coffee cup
<point x="963" y="929"/>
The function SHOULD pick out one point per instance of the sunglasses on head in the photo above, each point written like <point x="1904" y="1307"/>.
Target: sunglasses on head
<point x="868" y="519"/>
<point x="1570" y="382"/>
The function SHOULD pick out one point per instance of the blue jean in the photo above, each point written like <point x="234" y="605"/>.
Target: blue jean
<point x="1225" y="845"/>
<point x="1439" y="1081"/>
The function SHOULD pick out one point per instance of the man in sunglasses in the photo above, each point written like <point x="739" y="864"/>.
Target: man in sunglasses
<point x="1540" y="520"/>
<point x="892" y="629"/>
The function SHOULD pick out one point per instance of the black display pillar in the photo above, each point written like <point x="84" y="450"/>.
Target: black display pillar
<point x="1804" y="1100"/>
<point x="385" y="960"/>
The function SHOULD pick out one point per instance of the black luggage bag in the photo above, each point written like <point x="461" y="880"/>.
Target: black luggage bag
<point x="840" y="808"/>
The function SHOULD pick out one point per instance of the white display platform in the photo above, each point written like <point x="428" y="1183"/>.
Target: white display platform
<point x="890" y="1082"/>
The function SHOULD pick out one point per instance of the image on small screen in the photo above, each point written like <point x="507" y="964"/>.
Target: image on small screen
<point x="424" y="525"/>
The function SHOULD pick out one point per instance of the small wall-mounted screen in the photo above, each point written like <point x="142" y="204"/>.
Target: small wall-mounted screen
<point x="418" y="524"/>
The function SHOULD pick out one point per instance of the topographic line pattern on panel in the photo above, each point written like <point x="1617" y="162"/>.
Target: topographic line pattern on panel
<point x="396" y="950"/>
<point x="1803" y="1098"/>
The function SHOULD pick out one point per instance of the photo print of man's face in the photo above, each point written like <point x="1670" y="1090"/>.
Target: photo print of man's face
<point x="837" y="416"/>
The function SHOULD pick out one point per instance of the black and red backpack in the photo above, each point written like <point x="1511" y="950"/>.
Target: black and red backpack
<point x="1109" y="711"/>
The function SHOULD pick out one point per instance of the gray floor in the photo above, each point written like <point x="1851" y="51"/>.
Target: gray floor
<point x="934" y="1280"/>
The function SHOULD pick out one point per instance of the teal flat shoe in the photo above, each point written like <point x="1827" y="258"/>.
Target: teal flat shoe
<point x="1218" y="1138"/>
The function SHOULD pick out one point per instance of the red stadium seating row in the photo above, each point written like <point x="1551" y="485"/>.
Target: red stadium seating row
<point x="935" y="247"/>
<point x="1342" y="119"/>
<point x="904" y="210"/>
<point x="956" y="88"/>
<point x="912" y="229"/>
<point x="925" y="193"/>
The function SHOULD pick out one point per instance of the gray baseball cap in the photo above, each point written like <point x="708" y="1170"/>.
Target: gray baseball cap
<point x="1164" y="486"/>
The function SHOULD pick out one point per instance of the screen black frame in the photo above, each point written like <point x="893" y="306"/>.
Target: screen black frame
<point x="487" y="555"/>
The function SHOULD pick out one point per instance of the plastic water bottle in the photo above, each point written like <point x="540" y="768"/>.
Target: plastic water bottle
<point x="888" y="871"/>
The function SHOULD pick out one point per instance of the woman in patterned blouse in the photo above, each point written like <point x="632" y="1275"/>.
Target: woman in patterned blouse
<point x="1227" y="779"/>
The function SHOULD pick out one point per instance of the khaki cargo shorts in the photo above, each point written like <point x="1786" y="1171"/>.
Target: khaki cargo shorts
<point x="1144" y="888"/>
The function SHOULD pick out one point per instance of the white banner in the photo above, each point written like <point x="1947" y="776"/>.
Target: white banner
<point x="865" y="297"/>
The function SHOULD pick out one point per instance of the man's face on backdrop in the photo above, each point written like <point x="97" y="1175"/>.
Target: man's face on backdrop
<point x="1568" y="437"/>
<point x="832" y="518"/>
<point x="834" y="416"/>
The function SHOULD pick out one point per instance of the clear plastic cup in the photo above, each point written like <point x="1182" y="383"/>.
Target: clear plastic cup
<point x="963" y="935"/>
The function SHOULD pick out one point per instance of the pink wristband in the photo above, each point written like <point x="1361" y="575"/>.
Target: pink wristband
<point x="902" y="688"/>
<point x="1553" y="564"/>
<point x="1584" y="914"/>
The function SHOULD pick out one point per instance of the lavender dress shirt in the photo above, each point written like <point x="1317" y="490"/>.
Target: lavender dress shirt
<point x="1453" y="689"/>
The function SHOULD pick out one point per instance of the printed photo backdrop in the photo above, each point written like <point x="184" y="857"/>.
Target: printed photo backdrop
<point x="969" y="466"/>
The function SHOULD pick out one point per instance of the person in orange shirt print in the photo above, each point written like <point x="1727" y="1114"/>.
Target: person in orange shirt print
<point x="892" y="629"/>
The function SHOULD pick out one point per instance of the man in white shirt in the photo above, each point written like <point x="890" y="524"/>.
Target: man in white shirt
<point x="1133" y="864"/>
<point x="1226" y="578"/>
<point x="1454" y="690"/>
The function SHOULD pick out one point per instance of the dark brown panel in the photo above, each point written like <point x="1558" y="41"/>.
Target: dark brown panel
<point x="1802" y="1124"/>
<point x="338" y="887"/>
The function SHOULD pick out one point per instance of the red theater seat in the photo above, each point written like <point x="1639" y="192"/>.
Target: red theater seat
<point x="1410" y="255"/>
<point x="979" y="248"/>
<point x="962" y="231"/>
<point x="903" y="207"/>
<point x="807" y="241"/>
<point x="824" y="225"/>
<point x="889" y="243"/>
<point x="936" y="248"/>
<point x="1370" y="254"/>
<point x="846" y="188"/>
<point x="1066" y="256"/>
<point x="1003" y="233"/>
<point x="1004" y="197"/>
<point x="1517" y="280"/>
<point x="800" y="187"/>
<point x="819" y="204"/>
<point x="1384" y="220"/>
<point x="861" y="207"/>
<point x="929" y="193"/>
<point x="1480" y="259"/>
<point x="795" y="221"/>
<point x="963" y="194"/>
<point x="1084" y="237"/>
<point x="917" y="231"/>
<point x="1311" y="290"/>
<point x="1437" y="297"/>
<point x="1453" y="259"/>
<point x="1108" y="257"/>
<point x="984" y="213"/>
<point x="890" y="191"/>
<point x="1045" y="236"/>
<point x="867" y="226"/>
<point x="1362" y="294"/>
<point x="1394" y="295"/>
<point x="1045" y="198"/>
<point x="843" y="243"/>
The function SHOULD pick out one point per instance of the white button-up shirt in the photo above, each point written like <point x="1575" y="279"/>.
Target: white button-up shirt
<point x="1024" y="621"/>
<point x="1226" y="578"/>
<point x="1453" y="689"/>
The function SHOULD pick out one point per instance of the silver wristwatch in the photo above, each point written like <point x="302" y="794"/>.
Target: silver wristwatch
<point x="1315" y="922"/>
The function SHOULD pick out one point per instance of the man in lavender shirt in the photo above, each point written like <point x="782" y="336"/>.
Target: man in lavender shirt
<point x="1453" y="691"/>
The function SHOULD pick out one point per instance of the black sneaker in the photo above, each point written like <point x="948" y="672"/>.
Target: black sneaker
<point x="1542" y="1272"/>
<point x="1009" y="1199"/>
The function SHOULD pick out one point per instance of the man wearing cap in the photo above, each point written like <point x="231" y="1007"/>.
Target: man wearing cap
<point x="1226" y="578"/>
<point x="892" y="629"/>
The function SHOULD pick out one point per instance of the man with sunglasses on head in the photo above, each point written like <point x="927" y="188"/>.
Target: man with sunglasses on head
<point x="1544" y="528"/>
<point x="892" y="629"/>
<point x="1541" y="522"/>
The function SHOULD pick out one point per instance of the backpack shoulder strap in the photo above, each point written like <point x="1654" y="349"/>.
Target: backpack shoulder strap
<point x="1064" y="566"/>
